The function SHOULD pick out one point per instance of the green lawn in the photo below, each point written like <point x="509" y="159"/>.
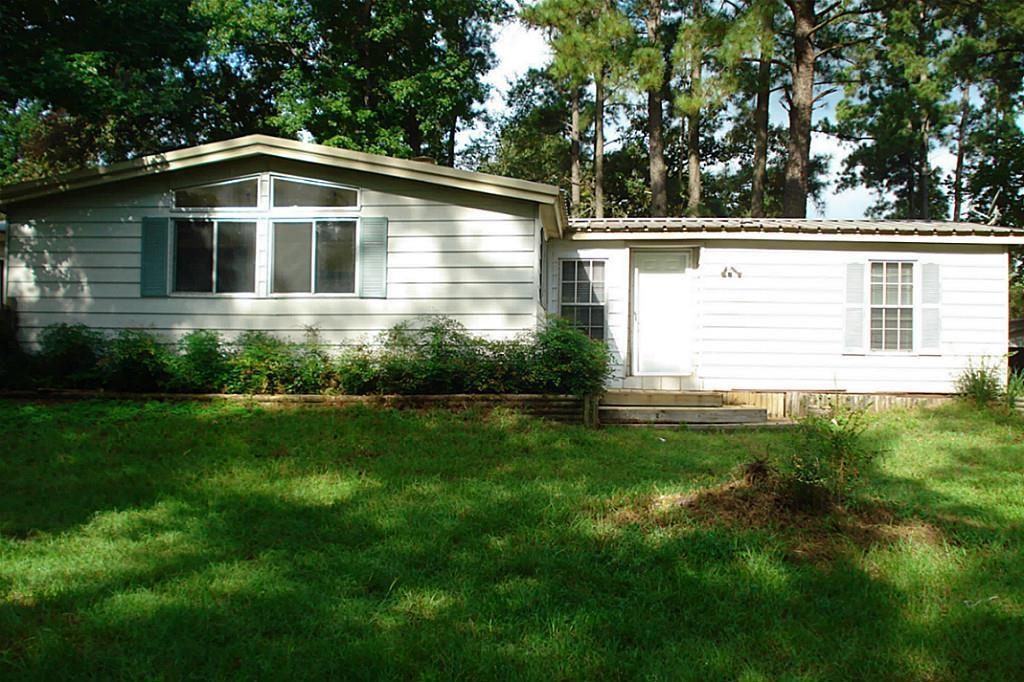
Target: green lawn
<point x="213" y="541"/>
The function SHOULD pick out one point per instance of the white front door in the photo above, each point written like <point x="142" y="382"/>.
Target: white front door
<point x="662" y="313"/>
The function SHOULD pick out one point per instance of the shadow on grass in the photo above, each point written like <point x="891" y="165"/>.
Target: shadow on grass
<point x="374" y="544"/>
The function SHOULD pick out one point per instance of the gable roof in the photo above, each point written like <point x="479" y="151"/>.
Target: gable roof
<point x="548" y="197"/>
<point x="799" y="229"/>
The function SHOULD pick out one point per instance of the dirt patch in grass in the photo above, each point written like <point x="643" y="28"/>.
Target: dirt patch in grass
<point x="763" y="503"/>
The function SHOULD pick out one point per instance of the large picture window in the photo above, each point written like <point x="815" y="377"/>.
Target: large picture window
<point x="582" y="295"/>
<point x="214" y="256"/>
<point x="892" y="306"/>
<point x="315" y="256"/>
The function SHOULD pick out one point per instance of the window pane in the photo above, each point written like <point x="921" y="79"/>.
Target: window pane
<point x="892" y="295"/>
<point x="294" y="193"/>
<point x="876" y="318"/>
<point x="876" y="339"/>
<point x="890" y="339"/>
<point x="598" y="293"/>
<point x="876" y="294"/>
<point x="568" y="270"/>
<point x="582" y="292"/>
<point x="293" y="257"/>
<point x="906" y="340"/>
<point x="907" y="318"/>
<point x="238" y="194"/>
<point x="906" y="295"/>
<point x="193" y="255"/>
<point x="236" y="257"/>
<point x="891" y="273"/>
<point x="336" y="257"/>
<point x="568" y="292"/>
<point x="876" y="272"/>
<point x="598" y="271"/>
<point x="907" y="273"/>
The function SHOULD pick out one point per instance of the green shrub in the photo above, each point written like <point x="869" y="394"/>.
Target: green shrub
<point x="440" y="357"/>
<point x="565" y="360"/>
<point x="135" y="361"/>
<point x="201" y="365"/>
<point x="261" y="363"/>
<point x="1015" y="388"/>
<point x="830" y="455"/>
<point x="980" y="383"/>
<point x="314" y="370"/>
<point x="69" y="355"/>
<point x="358" y="371"/>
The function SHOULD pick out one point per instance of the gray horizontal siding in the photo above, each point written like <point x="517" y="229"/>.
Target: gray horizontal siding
<point x="76" y="259"/>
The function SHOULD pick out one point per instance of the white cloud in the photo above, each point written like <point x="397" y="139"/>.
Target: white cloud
<point x="518" y="49"/>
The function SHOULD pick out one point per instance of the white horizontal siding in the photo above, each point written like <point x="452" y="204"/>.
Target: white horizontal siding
<point x="75" y="258"/>
<point x="779" y="325"/>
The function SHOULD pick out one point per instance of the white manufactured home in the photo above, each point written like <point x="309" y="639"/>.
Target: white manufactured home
<point x="271" y="234"/>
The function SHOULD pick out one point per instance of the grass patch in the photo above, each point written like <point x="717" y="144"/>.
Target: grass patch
<point x="215" y="541"/>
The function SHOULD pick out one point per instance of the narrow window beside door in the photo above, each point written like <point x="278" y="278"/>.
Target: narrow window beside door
<point x="582" y="295"/>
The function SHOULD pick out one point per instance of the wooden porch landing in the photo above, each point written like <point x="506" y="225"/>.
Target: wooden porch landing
<point x="673" y="408"/>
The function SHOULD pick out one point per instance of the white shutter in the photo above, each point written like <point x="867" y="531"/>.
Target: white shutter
<point x="853" y="327"/>
<point x="931" y="307"/>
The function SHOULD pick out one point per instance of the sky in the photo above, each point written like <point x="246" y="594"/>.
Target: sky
<point x="519" y="48"/>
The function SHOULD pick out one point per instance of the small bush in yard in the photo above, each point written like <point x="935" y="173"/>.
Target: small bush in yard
<point x="440" y="357"/>
<point x="358" y="371"/>
<point x="830" y="456"/>
<point x="980" y="383"/>
<point x="314" y="370"/>
<point x="261" y="363"/>
<point x="69" y="355"/>
<point x="565" y="360"/>
<point x="1015" y="388"/>
<point x="135" y="361"/>
<point x="201" y="365"/>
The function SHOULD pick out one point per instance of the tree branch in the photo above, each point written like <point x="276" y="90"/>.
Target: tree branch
<point x="839" y="15"/>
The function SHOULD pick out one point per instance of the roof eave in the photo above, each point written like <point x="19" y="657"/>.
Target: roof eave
<point x="875" y="238"/>
<point x="253" y="145"/>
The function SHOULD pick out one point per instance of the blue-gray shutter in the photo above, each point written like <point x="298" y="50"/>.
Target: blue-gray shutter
<point x="855" y="314"/>
<point x="153" y="263"/>
<point x="373" y="258"/>
<point x="931" y="306"/>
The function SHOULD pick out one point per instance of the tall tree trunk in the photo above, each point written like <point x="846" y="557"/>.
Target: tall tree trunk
<point x="961" y="134"/>
<point x="574" y="154"/>
<point x="693" y="141"/>
<point x="801" y="109"/>
<point x="599" y="144"/>
<point x="656" y="125"/>
<point x="926" y="167"/>
<point x="452" y="130"/>
<point x="764" y="84"/>
<point x="693" y="163"/>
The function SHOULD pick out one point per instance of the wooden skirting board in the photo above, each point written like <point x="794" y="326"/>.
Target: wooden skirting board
<point x="794" y="404"/>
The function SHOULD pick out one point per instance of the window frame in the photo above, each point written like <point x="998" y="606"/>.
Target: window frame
<point x="312" y="220"/>
<point x="915" y="308"/>
<point x="173" y="259"/>
<point x="199" y="211"/>
<point x="318" y="211"/>
<point x="603" y="304"/>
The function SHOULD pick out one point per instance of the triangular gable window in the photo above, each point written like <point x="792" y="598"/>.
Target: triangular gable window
<point x="299" y="193"/>
<point x="231" y="194"/>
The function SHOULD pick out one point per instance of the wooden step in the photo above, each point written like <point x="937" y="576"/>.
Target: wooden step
<point x="636" y="414"/>
<point x="629" y="397"/>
